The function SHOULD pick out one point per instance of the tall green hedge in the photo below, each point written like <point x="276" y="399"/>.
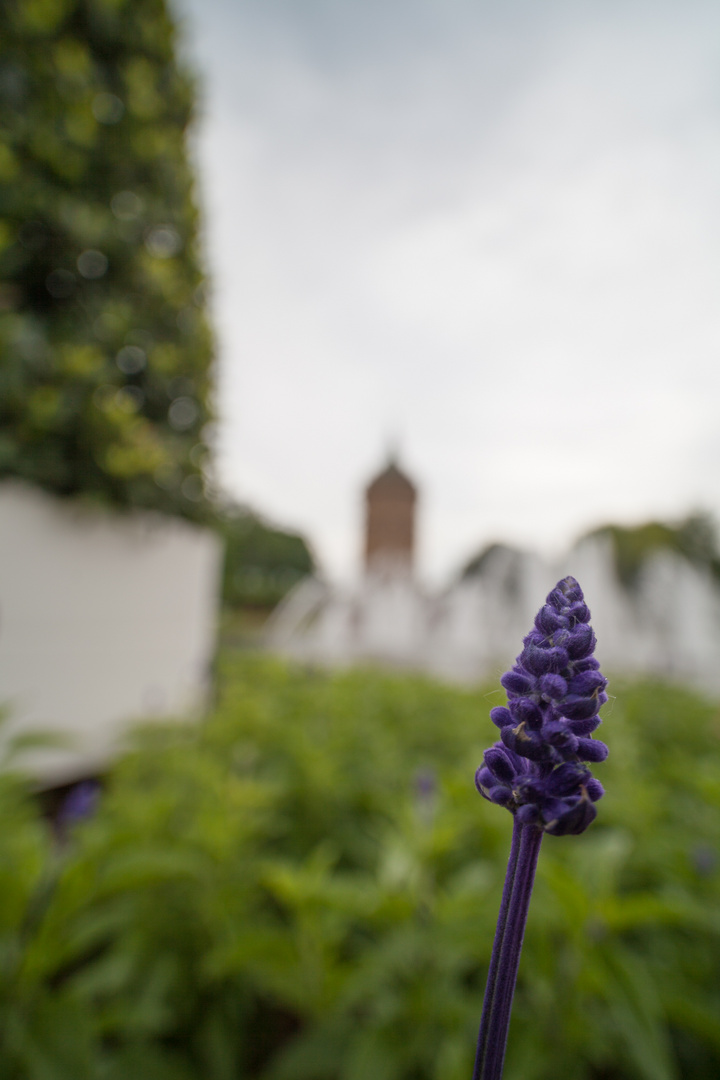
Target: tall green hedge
<point x="105" y="350"/>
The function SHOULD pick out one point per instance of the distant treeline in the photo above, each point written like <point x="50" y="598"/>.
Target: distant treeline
<point x="694" y="538"/>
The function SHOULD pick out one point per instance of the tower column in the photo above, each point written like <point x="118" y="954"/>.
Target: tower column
<point x="390" y="503"/>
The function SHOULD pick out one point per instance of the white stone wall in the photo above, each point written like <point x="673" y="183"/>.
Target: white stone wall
<point x="105" y="618"/>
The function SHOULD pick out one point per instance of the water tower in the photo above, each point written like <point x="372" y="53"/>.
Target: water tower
<point x="390" y="500"/>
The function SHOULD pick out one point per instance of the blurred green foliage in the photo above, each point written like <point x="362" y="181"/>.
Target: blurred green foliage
<point x="694" y="538"/>
<point x="262" y="563"/>
<point x="105" y="350"/>
<point x="305" y="887"/>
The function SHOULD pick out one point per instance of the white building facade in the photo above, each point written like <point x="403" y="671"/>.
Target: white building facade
<point x="667" y="623"/>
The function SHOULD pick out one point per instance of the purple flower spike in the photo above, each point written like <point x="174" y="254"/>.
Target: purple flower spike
<point x="539" y="772"/>
<point x="554" y="691"/>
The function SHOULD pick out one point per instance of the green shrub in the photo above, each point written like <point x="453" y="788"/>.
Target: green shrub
<point x="306" y="886"/>
<point x="104" y="376"/>
<point x="262" y="563"/>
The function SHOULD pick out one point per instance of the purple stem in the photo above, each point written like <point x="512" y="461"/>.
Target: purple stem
<point x="505" y="958"/>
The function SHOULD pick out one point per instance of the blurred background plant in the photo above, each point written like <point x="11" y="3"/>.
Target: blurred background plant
<point x="105" y="376"/>
<point x="695" y="539"/>
<point x="262" y="562"/>
<point x="306" y="885"/>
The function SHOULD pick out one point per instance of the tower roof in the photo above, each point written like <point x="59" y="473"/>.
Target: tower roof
<point x="391" y="480"/>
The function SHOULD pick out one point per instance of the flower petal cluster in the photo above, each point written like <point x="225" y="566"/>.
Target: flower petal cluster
<point x="554" y="690"/>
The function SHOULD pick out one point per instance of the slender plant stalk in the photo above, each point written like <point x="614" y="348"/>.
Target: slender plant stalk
<point x="539" y="772"/>
<point x="505" y="959"/>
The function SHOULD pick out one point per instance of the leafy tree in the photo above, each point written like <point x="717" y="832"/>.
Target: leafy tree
<point x="261" y="562"/>
<point x="694" y="538"/>
<point x="105" y="351"/>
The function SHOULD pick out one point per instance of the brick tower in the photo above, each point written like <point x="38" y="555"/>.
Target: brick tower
<point x="390" y="520"/>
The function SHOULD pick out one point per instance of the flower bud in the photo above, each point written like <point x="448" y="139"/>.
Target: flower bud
<point x="555" y="690"/>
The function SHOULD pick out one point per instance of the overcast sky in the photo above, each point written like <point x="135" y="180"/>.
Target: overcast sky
<point x="488" y="232"/>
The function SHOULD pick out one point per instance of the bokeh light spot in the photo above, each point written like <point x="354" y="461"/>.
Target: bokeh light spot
<point x="163" y="242"/>
<point x="126" y="205"/>
<point x="183" y="413"/>
<point x="107" y="108"/>
<point x="131" y="359"/>
<point x="92" y="264"/>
